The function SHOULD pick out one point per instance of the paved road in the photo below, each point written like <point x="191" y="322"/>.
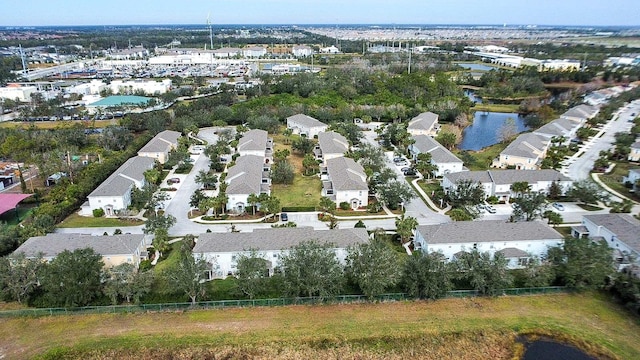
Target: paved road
<point x="416" y="208"/>
<point x="579" y="167"/>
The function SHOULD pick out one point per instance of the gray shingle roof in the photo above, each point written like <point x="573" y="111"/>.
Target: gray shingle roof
<point x="346" y="174"/>
<point x="624" y="226"/>
<point x="475" y="176"/>
<point x="162" y="142"/>
<point x="118" y="183"/>
<point x="635" y="145"/>
<point x="527" y="145"/>
<point x="439" y="154"/>
<point x="53" y="244"/>
<point x="581" y="111"/>
<point x="245" y="177"/>
<point x="277" y="239"/>
<point x="558" y="127"/>
<point x="487" y="231"/>
<point x="305" y="120"/>
<point x="331" y="142"/>
<point x="253" y="140"/>
<point x="531" y="176"/>
<point x="423" y="121"/>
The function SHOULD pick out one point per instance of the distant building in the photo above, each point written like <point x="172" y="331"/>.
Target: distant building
<point x="254" y="52"/>
<point x="222" y="250"/>
<point x="17" y="92"/>
<point x="305" y="125"/>
<point x="580" y="113"/>
<point x="302" y="51"/>
<point x="519" y="242"/>
<point x="330" y="50"/>
<point x="227" y="52"/>
<point x="159" y="147"/>
<point x="344" y="180"/>
<point x="425" y="123"/>
<point x="561" y="128"/>
<point x="114" y="249"/>
<point x="149" y="87"/>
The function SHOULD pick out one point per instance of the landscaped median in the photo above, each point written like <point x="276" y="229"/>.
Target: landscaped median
<point x="461" y="328"/>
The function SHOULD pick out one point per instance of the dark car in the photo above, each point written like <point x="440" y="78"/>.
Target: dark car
<point x="409" y="172"/>
<point x="284" y="217"/>
<point x="173" y="180"/>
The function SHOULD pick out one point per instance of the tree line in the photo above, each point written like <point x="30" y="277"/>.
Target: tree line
<point x="78" y="278"/>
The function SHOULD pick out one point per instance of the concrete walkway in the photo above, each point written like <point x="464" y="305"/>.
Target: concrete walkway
<point x="426" y="197"/>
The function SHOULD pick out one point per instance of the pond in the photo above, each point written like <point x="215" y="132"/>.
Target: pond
<point x="477" y="67"/>
<point x="551" y="350"/>
<point x="486" y="128"/>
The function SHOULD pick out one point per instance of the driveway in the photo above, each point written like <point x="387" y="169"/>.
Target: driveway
<point x="572" y="213"/>
<point x="416" y="207"/>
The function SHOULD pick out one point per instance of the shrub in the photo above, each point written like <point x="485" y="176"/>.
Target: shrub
<point x="360" y="224"/>
<point x="345" y="205"/>
<point x="98" y="212"/>
<point x="374" y="207"/>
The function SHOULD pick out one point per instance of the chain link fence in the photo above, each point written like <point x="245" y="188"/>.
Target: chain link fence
<point x="220" y="304"/>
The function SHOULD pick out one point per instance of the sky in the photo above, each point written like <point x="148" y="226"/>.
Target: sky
<point x="142" y="12"/>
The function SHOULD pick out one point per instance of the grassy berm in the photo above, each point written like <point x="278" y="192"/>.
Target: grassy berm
<point x="472" y="328"/>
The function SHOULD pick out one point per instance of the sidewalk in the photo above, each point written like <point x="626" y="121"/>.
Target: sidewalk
<point x="426" y="197"/>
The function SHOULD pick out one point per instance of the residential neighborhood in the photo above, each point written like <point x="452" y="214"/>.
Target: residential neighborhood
<point x="177" y="170"/>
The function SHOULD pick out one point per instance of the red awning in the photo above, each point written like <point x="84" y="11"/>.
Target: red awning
<point x="10" y="201"/>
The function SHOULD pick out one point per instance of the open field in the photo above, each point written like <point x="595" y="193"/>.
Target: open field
<point x="468" y="328"/>
<point x="506" y="108"/>
<point x="305" y="191"/>
<point x="614" y="179"/>
<point x="481" y="159"/>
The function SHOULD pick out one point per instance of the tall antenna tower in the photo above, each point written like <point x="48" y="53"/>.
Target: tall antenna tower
<point x="24" y="64"/>
<point x="210" y="31"/>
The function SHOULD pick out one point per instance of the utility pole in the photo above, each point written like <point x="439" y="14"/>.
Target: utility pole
<point x="409" y="69"/>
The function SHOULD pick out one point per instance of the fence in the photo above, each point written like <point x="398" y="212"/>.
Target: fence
<point x="113" y="309"/>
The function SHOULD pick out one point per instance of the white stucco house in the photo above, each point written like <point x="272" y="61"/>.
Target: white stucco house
<point x="114" y="249"/>
<point x="524" y="153"/>
<point x="254" y="52"/>
<point x="114" y="194"/>
<point x="620" y="231"/>
<point x="441" y="157"/>
<point x="518" y="241"/>
<point x="498" y="182"/>
<point x="305" y="125"/>
<point x="330" y="146"/>
<point x="159" y="147"/>
<point x="634" y="154"/>
<point x="425" y="123"/>
<point x="344" y="180"/>
<point x="249" y="175"/>
<point x="222" y="250"/>
<point x="256" y="142"/>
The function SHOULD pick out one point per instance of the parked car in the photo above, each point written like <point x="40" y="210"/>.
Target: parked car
<point x="406" y="168"/>
<point x="173" y="180"/>
<point x="398" y="159"/>
<point x="409" y="172"/>
<point x="481" y="207"/>
<point x="402" y="163"/>
<point x="284" y="217"/>
<point x="490" y="209"/>
<point x="558" y="206"/>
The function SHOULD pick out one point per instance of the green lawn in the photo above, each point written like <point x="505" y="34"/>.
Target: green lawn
<point x="75" y="220"/>
<point x="614" y="179"/>
<point x="305" y="191"/>
<point x="482" y="159"/>
<point x="464" y="328"/>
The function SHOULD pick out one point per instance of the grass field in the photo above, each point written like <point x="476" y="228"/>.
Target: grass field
<point x="305" y="191"/>
<point x="50" y="125"/>
<point x="614" y="179"/>
<point x="470" y="328"/>
<point x="482" y="159"/>
<point x="75" y="220"/>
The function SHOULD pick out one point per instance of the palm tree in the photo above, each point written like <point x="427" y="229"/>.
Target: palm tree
<point x="253" y="200"/>
<point x="327" y="205"/>
<point x="405" y="227"/>
<point x="520" y="187"/>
